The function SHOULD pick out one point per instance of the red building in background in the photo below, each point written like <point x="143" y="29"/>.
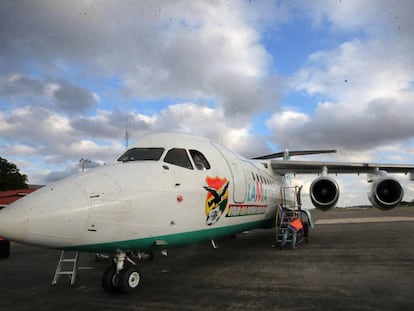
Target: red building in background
<point x="8" y="197"/>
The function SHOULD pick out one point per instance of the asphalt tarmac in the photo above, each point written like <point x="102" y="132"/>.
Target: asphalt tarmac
<point x="355" y="260"/>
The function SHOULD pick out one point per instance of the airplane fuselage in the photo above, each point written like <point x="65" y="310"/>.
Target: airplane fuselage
<point x="147" y="204"/>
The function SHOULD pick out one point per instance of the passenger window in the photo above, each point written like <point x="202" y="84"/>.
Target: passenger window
<point x="142" y="154"/>
<point x="200" y="160"/>
<point x="178" y="157"/>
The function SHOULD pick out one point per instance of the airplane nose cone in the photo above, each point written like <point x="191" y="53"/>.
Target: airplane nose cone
<point x="13" y="223"/>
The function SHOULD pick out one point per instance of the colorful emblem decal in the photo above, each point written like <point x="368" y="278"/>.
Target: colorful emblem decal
<point x="217" y="198"/>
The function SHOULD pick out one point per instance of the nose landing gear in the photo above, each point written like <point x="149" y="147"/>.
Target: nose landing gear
<point x="128" y="280"/>
<point x="120" y="278"/>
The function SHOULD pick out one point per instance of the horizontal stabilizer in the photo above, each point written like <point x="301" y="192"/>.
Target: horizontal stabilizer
<point x="286" y="154"/>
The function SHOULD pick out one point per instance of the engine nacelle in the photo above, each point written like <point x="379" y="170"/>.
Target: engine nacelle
<point x="324" y="193"/>
<point x="386" y="193"/>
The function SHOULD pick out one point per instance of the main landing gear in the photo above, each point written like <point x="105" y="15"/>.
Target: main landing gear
<point x="122" y="276"/>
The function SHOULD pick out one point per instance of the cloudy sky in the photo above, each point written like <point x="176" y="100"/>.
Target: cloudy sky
<point x="257" y="76"/>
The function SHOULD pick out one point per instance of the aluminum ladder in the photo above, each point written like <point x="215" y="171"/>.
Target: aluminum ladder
<point x="285" y="215"/>
<point x="67" y="266"/>
<point x="286" y="210"/>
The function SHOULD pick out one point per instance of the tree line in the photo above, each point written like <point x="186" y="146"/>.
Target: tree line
<point x="10" y="176"/>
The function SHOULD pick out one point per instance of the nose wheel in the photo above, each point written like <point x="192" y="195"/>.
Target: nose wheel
<point x="128" y="279"/>
<point x="120" y="278"/>
<point x="110" y="280"/>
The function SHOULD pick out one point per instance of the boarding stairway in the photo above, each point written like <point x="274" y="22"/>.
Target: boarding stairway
<point x="290" y="207"/>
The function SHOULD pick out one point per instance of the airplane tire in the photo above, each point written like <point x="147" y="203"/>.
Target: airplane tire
<point x="129" y="279"/>
<point x="110" y="280"/>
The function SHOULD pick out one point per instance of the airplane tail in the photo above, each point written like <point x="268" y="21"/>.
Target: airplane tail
<point x="286" y="154"/>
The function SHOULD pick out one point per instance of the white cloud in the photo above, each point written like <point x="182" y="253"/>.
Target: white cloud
<point x="70" y="71"/>
<point x="362" y="89"/>
<point x="372" y="17"/>
<point x="372" y="124"/>
<point x="356" y="71"/>
<point x="211" y="123"/>
<point x="56" y="94"/>
<point x="286" y="119"/>
<point x="18" y="149"/>
<point x="158" y="49"/>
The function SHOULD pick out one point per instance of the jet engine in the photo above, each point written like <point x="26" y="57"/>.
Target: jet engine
<point x="386" y="193"/>
<point x="324" y="193"/>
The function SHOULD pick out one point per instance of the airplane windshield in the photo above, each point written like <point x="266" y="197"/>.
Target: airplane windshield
<point x="178" y="157"/>
<point x="200" y="160"/>
<point x="142" y="154"/>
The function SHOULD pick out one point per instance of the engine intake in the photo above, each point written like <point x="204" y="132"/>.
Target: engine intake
<point x="386" y="193"/>
<point x="324" y="193"/>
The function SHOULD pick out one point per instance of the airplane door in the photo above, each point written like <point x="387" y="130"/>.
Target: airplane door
<point x="237" y="172"/>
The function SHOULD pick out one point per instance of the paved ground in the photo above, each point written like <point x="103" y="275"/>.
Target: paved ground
<point x="354" y="266"/>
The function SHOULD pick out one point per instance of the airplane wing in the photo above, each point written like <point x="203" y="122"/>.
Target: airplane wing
<point x="316" y="167"/>
<point x="385" y="193"/>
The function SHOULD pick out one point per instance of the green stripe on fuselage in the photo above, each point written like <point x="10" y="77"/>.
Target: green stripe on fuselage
<point x="172" y="240"/>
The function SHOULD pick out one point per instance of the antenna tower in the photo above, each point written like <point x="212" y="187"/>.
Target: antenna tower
<point x="126" y="133"/>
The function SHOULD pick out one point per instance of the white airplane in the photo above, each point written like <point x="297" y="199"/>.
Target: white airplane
<point x="172" y="190"/>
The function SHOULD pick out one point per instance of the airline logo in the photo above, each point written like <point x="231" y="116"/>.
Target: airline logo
<point x="216" y="199"/>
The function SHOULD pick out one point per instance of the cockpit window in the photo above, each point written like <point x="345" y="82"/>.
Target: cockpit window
<point x="178" y="157"/>
<point x="142" y="154"/>
<point x="199" y="160"/>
